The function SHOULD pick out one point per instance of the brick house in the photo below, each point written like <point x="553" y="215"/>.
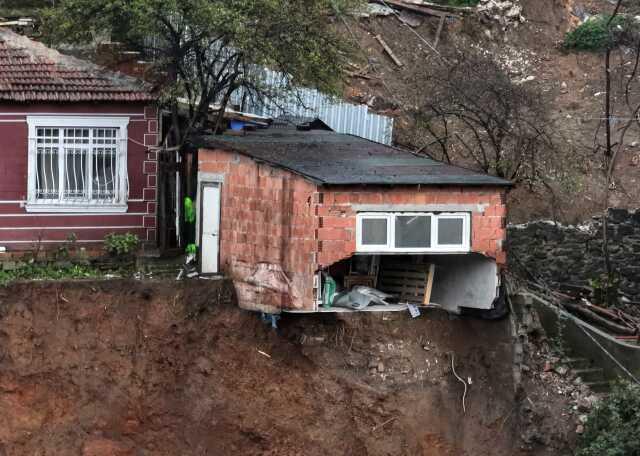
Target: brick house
<point x="74" y="145"/>
<point x="281" y="209"/>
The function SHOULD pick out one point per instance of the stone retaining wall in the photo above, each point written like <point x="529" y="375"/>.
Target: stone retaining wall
<point x="573" y="254"/>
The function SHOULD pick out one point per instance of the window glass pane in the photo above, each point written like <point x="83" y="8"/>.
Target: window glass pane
<point x="104" y="162"/>
<point x="450" y="231"/>
<point x="47" y="179"/>
<point x="413" y="231"/>
<point x="104" y="173"/>
<point x="75" y="173"/>
<point x="47" y="175"/>
<point x="374" y="231"/>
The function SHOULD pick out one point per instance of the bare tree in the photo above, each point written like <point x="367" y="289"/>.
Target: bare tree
<point x="476" y="112"/>
<point x="621" y="39"/>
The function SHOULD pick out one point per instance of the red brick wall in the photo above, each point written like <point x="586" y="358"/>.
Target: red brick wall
<point x="275" y="217"/>
<point x="267" y="216"/>
<point x="337" y="218"/>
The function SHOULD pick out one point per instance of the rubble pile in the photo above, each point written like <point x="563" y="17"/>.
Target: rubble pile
<point x="549" y="375"/>
<point x="505" y="12"/>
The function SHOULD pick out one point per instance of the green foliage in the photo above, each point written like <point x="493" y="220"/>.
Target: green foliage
<point x="121" y="244"/>
<point x="605" y="289"/>
<point x="38" y="271"/>
<point x="65" y="250"/>
<point x="597" y="34"/>
<point x="207" y="48"/>
<point x="12" y="8"/>
<point x="613" y="427"/>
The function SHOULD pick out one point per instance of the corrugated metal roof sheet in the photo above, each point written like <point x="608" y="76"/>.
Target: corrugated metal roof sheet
<point x="338" y="159"/>
<point x="342" y="117"/>
<point x="29" y="71"/>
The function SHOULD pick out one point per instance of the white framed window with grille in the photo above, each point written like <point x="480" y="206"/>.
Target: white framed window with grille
<point x="413" y="232"/>
<point x="77" y="164"/>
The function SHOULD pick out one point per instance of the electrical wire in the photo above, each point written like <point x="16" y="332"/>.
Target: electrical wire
<point x="464" y="395"/>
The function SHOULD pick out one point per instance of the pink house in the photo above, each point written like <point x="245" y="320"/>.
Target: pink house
<point x="74" y="148"/>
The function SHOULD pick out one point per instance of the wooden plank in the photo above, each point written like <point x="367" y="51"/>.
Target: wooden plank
<point x="399" y="291"/>
<point x="388" y="50"/>
<point x="429" y="286"/>
<point x="431" y="11"/>
<point x="403" y="274"/>
<point x="438" y="32"/>
<point x="446" y="8"/>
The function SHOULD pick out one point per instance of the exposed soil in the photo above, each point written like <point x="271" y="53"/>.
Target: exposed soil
<point x="571" y="83"/>
<point x="133" y="368"/>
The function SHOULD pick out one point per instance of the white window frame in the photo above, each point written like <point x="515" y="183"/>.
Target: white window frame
<point x="371" y="247"/>
<point x="435" y="246"/>
<point x="61" y="205"/>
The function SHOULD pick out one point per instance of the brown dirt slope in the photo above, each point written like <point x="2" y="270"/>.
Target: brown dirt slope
<point x="571" y="83"/>
<point x="133" y="368"/>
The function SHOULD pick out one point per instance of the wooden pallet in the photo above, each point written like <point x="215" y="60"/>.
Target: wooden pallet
<point x="412" y="283"/>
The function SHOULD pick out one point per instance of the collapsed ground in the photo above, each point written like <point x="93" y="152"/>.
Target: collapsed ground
<point x="571" y="84"/>
<point x="159" y="368"/>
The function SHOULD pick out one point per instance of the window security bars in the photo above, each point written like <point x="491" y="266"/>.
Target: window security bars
<point x="79" y="165"/>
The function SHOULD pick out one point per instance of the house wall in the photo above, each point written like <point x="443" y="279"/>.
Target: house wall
<point x="277" y="228"/>
<point x="20" y="230"/>
<point x="338" y="207"/>
<point x="267" y="231"/>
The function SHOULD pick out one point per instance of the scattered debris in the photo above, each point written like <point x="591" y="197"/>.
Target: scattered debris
<point x="412" y="20"/>
<point x="504" y="12"/>
<point x="373" y="10"/>
<point x="432" y="9"/>
<point x="381" y="425"/>
<point x="388" y="50"/>
<point x="360" y="297"/>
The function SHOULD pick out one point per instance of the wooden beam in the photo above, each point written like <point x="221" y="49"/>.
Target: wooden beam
<point x="416" y="9"/>
<point x="429" y="286"/>
<point x="444" y="8"/>
<point x="388" y="50"/>
<point x="438" y="32"/>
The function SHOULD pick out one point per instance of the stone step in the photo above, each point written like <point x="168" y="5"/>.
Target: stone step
<point x="589" y="374"/>
<point x="599" y="386"/>
<point x="577" y="363"/>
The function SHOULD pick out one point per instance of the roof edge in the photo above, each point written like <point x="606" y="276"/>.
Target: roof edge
<point x="211" y="141"/>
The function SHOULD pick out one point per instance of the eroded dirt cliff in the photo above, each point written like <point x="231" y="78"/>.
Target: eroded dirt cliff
<point x="159" y="368"/>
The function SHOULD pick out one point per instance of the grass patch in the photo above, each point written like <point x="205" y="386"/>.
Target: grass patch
<point x="38" y="271"/>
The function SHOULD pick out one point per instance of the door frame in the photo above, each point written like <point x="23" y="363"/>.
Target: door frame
<point x="208" y="179"/>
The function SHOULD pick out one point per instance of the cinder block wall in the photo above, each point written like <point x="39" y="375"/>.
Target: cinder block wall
<point x="337" y="216"/>
<point x="286" y="223"/>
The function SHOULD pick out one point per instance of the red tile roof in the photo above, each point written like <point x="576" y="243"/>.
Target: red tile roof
<point x="29" y="71"/>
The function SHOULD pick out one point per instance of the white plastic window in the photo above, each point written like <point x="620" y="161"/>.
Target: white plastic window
<point x="413" y="232"/>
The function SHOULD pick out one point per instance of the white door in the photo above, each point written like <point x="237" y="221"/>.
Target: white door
<point x="210" y="228"/>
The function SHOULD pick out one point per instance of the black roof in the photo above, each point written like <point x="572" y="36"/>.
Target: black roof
<point x="338" y="159"/>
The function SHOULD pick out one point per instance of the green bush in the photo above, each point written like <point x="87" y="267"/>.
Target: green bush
<point x="121" y="244"/>
<point x="594" y="35"/>
<point x="613" y="427"/>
